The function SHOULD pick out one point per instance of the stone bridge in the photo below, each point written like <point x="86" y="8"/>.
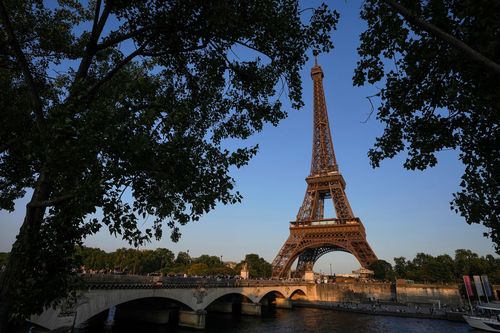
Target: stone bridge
<point x="191" y="297"/>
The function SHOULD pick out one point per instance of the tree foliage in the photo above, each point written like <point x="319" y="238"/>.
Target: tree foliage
<point x="126" y="260"/>
<point x="183" y="258"/>
<point x="161" y="260"/>
<point x="382" y="270"/>
<point x="103" y="101"/>
<point x="437" y="96"/>
<point x="257" y="267"/>
<point x="443" y="268"/>
<point x="3" y="259"/>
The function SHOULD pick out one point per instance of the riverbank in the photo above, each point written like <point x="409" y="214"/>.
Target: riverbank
<point x="385" y="309"/>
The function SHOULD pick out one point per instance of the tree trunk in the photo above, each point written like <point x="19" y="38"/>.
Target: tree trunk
<point x="22" y="249"/>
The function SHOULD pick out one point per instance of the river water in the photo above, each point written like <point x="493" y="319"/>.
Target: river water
<point x="307" y="320"/>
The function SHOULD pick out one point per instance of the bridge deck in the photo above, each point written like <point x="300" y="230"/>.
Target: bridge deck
<point x="108" y="281"/>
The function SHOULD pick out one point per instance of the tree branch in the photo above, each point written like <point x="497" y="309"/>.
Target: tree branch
<point x="188" y="49"/>
<point x="436" y="32"/>
<point x="23" y="64"/>
<point x="115" y="70"/>
<point x="369" y="98"/>
<point x="51" y="202"/>
<point x="218" y="48"/>
<point x="91" y="47"/>
<point x="120" y="38"/>
<point x="139" y="51"/>
<point x="111" y="41"/>
<point x="252" y="48"/>
<point x="96" y="15"/>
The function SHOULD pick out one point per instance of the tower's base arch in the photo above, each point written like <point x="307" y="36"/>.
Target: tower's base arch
<point x="309" y="242"/>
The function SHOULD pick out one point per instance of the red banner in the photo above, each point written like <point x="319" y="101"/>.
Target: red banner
<point x="468" y="285"/>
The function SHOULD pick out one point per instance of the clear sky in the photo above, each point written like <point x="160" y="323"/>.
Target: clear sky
<point x="404" y="212"/>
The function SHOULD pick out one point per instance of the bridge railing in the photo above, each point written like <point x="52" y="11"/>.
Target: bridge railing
<point x="108" y="281"/>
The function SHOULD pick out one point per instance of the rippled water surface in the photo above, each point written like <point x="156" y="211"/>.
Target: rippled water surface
<point x="306" y="320"/>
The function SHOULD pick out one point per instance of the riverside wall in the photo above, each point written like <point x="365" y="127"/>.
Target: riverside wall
<point x="352" y="292"/>
<point x="429" y="293"/>
<point x="385" y="292"/>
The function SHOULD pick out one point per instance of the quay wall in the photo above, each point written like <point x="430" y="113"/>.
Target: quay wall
<point x="370" y="291"/>
<point x="352" y="292"/>
<point x="429" y="293"/>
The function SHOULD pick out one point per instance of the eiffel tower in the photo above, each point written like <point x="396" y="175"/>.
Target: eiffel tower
<point x="312" y="235"/>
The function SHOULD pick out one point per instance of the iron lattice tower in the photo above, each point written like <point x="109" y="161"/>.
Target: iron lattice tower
<point x="313" y="235"/>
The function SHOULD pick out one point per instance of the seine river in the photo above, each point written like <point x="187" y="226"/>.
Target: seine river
<point x="307" y="320"/>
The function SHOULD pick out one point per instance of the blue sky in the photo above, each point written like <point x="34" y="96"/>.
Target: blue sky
<point x="404" y="212"/>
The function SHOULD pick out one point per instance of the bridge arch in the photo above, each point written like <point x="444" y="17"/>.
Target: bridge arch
<point x="285" y="292"/>
<point x="218" y="294"/>
<point x="270" y="297"/>
<point x="94" y="304"/>
<point x="298" y="294"/>
<point x="215" y="302"/>
<point x="276" y="293"/>
<point x="159" y="307"/>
